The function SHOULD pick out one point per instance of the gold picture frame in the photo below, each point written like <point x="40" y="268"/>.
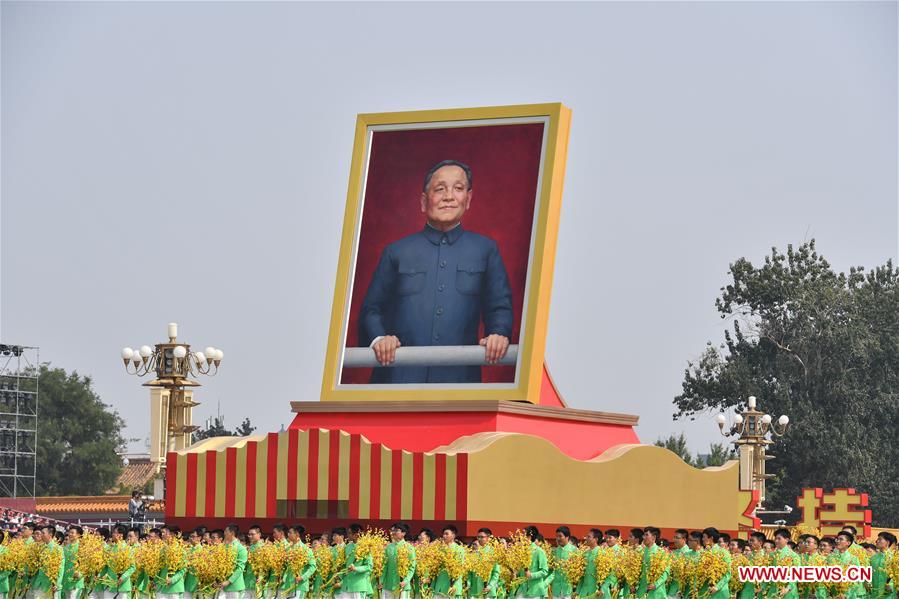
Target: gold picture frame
<point x="535" y="312"/>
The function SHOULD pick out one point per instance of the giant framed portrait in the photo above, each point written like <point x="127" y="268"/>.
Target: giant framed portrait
<point x="446" y="257"/>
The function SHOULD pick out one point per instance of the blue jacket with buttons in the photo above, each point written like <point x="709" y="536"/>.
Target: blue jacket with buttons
<point x="434" y="288"/>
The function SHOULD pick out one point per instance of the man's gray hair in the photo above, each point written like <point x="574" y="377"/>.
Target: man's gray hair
<point x="442" y="164"/>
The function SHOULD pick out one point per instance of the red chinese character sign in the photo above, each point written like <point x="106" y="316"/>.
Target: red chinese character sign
<point x="831" y="511"/>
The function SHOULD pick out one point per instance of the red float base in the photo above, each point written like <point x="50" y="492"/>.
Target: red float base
<point x="427" y="425"/>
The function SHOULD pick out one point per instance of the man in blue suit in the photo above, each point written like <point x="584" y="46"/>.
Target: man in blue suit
<point x="434" y="287"/>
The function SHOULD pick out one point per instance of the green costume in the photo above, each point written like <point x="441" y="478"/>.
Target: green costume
<point x="815" y="590"/>
<point x="190" y="579"/>
<point x="611" y="581"/>
<point x="168" y="582"/>
<point x="558" y="581"/>
<point x="276" y="581"/>
<point x="746" y="590"/>
<point x="588" y="583"/>
<point x="784" y="557"/>
<point x="444" y="585"/>
<point x="4" y="575"/>
<point x="358" y="580"/>
<point x="722" y="586"/>
<point x="235" y="581"/>
<point x="125" y="577"/>
<point x="249" y="577"/>
<point x="856" y="590"/>
<point x="489" y="588"/>
<point x="535" y="586"/>
<point x="660" y="591"/>
<point x="290" y="585"/>
<point x="390" y="577"/>
<point x="69" y="581"/>
<point x="40" y="582"/>
<point x="676" y="554"/>
<point x="880" y="588"/>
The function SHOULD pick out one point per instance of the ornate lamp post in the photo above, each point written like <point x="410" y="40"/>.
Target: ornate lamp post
<point x="752" y="428"/>
<point x="171" y="396"/>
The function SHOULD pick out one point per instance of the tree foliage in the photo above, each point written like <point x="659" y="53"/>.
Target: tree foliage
<point x="78" y="436"/>
<point x="718" y="452"/>
<point x="217" y="429"/>
<point x="823" y="348"/>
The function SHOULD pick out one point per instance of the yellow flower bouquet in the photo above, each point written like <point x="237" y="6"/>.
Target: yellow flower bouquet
<point x="213" y="565"/>
<point x="658" y="563"/>
<point x="428" y="562"/>
<point x="575" y="566"/>
<point x="403" y="560"/>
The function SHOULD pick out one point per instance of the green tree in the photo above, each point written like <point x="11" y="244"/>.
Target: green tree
<point x="823" y="348"/>
<point x="718" y="454"/>
<point x="678" y="445"/>
<point x="78" y="436"/>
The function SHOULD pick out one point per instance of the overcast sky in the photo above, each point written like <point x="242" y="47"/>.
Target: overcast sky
<point x="174" y="162"/>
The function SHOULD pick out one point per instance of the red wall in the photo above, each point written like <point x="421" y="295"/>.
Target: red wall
<point x="425" y="431"/>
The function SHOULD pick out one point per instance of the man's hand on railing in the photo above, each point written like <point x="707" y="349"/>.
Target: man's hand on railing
<point x="433" y="355"/>
<point x="496" y="346"/>
<point x="385" y="349"/>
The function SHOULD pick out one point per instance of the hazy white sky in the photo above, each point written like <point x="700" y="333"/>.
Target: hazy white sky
<point x="188" y="162"/>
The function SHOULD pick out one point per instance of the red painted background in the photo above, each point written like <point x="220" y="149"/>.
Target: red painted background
<point x="505" y="163"/>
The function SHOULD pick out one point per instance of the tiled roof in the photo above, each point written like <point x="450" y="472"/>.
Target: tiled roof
<point x="135" y="475"/>
<point x="89" y="504"/>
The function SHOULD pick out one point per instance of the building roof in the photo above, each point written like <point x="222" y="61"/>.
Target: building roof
<point x="135" y="475"/>
<point x="86" y="504"/>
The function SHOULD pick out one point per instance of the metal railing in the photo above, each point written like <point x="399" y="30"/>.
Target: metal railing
<point x="437" y="355"/>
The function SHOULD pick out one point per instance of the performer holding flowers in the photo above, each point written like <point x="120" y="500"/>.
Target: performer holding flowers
<point x="714" y="567"/>
<point x="399" y="565"/>
<point x="300" y="564"/>
<point x="449" y="578"/>
<point x="656" y="564"/>
<point x="535" y="575"/>
<point x="589" y="584"/>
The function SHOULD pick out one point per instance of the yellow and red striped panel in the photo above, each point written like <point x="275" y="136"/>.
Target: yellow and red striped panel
<point x="317" y="473"/>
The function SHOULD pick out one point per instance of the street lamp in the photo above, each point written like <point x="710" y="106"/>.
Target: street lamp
<point x="171" y="399"/>
<point x="752" y="429"/>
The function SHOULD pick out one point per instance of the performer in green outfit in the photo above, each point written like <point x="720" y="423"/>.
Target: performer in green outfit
<point x="535" y="575"/>
<point x="356" y="583"/>
<point x="195" y="538"/>
<point x="842" y="556"/>
<point x="588" y="584"/>
<point x="233" y="587"/>
<point x="277" y="581"/>
<point x="72" y="581"/>
<point x="254" y="540"/>
<point x="880" y="586"/>
<point x="298" y="583"/>
<point x="169" y="584"/>
<point x="557" y="580"/>
<point x="350" y="556"/>
<point x="654" y="588"/>
<point x="784" y="556"/>
<point x="122" y="586"/>
<point x="711" y="542"/>
<point x="444" y="586"/>
<point x="393" y="585"/>
<point x="493" y="585"/>
<point x="42" y="587"/>
<point x="610" y="584"/>
<point x="812" y="557"/>
<point x="758" y="558"/>
<point x="678" y="552"/>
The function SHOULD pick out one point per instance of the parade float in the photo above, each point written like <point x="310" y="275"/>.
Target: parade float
<point x="504" y="451"/>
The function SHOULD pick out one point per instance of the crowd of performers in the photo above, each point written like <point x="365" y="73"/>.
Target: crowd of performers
<point x="39" y="562"/>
